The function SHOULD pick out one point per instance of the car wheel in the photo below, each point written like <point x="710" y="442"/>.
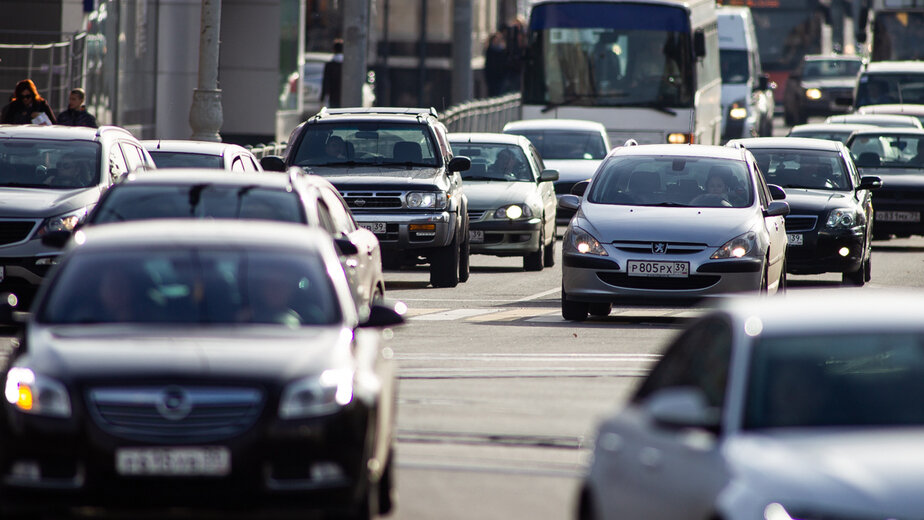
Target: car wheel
<point x="533" y="261"/>
<point x="868" y="270"/>
<point x="855" y="278"/>
<point x="444" y="265"/>
<point x="549" y="259"/>
<point x="600" y="310"/>
<point x="386" y="493"/>
<point x="572" y="310"/>
<point x="464" y="260"/>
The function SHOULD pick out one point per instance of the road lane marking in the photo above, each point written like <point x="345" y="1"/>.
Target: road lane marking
<point x="540" y="295"/>
<point x="509" y="315"/>
<point x="454" y="314"/>
<point x="540" y="357"/>
<point x="413" y="312"/>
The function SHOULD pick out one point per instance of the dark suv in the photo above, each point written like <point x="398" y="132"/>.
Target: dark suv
<point x="395" y="169"/>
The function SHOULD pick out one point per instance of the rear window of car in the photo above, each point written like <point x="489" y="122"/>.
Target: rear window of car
<point x="565" y="144"/>
<point x="128" y="202"/>
<point x="812" y="169"/>
<point x="186" y="160"/>
<point x="192" y="286"/>
<point x="893" y="151"/>
<point x="47" y="163"/>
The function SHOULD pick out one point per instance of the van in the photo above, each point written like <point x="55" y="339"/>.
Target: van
<point x="747" y="95"/>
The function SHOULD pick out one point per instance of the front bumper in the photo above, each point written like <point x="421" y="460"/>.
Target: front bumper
<point x="435" y="229"/>
<point x="820" y="252"/>
<point x="506" y="238"/>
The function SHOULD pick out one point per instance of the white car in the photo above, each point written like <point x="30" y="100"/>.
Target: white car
<point x="179" y="153"/>
<point x="808" y="406"/>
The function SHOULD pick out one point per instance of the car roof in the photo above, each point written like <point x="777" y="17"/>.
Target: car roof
<point x="486" y="137"/>
<point x="894" y="67"/>
<point x="893" y="108"/>
<point x="831" y="57"/>
<point x="873" y="118"/>
<point x="192" y="176"/>
<point x="58" y="132"/>
<point x="801" y="143"/>
<point x="831" y="127"/>
<point x="680" y="150"/>
<point x="555" y="124"/>
<point x="396" y="114"/>
<point x="184" y="146"/>
<point x="892" y="130"/>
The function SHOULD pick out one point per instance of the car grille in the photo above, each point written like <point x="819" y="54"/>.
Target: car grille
<point x="798" y="223"/>
<point x="373" y="199"/>
<point x="12" y="231"/>
<point x="644" y="282"/>
<point x="175" y="414"/>
<point x="671" y="248"/>
<point x="476" y="214"/>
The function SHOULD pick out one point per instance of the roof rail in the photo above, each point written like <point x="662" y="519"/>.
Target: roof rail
<point x="630" y="142"/>
<point x="380" y="110"/>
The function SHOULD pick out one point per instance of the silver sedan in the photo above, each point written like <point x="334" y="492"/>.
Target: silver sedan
<point x="667" y="221"/>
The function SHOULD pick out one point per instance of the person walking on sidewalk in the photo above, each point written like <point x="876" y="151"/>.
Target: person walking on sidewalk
<point x="27" y="107"/>
<point x="76" y="113"/>
<point x="331" y="83"/>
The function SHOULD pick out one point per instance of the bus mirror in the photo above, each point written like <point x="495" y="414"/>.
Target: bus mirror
<point x="699" y="43"/>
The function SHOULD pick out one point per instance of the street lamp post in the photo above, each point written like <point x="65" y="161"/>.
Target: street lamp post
<point x="205" y="116"/>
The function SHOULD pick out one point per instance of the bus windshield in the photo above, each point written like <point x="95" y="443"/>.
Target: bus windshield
<point x="613" y="55"/>
<point x="898" y="36"/>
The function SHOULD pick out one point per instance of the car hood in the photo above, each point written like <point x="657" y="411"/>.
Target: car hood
<point x="573" y="170"/>
<point x="94" y="352"/>
<point x="381" y="177"/>
<point x="895" y="179"/>
<point x="491" y="195"/>
<point x="870" y="473"/>
<point x="826" y="83"/>
<point x="711" y="226"/>
<point x="42" y="203"/>
<point x="817" y="201"/>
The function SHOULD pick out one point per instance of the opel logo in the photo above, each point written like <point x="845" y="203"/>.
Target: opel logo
<point x="174" y="403"/>
<point x="659" y="248"/>
<point x="360" y="202"/>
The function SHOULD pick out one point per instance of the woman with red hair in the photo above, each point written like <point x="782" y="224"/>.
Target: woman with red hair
<point x="26" y="106"/>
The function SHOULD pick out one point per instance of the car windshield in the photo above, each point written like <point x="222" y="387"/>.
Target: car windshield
<point x="164" y="159"/>
<point x="818" y="69"/>
<point x="45" y="163"/>
<point x="829" y="135"/>
<point x="494" y="162"/>
<point x="359" y="143"/>
<point x="672" y="181"/>
<point x="139" y="202"/>
<point x="836" y="380"/>
<point x="734" y="66"/>
<point x="192" y="286"/>
<point x="880" y="89"/>
<point x="565" y="144"/>
<point x="811" y="169"/>
<point x="890" y="151"/>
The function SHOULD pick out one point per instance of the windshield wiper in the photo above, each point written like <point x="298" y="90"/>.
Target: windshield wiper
<point x="342" y="163"/>
<point x="668" y="205"/>
<point x="660" y="107"/>
<point x="409" y="164"/>
<point x="480" y="178"/>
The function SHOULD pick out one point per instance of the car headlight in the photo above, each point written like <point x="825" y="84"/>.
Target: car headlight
<point x="65" y="222"/>
<point x="514" y="211"/>
<point x="36" y="394"/>
<point x="739" y="110"/>
<point x="813" y="94"/>
<point x="738" y="247"/>
<point x="841" y="218"/>
<point x="583" y="242"/>
<point x="317" y="395"/>
<point x="426" y="199"/>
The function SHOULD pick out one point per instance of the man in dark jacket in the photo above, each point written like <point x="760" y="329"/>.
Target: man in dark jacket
<point x="330" y="84"/>
<point x="76" y="113"/>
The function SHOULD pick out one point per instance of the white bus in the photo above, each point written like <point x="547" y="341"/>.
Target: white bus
<point x="646" y="69"/>
<point x="898" y="30"/>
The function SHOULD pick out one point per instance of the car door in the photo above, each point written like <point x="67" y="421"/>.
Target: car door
<point x="367" y="263"/>
<point x="546" y="192"/>
<point x="643" y="469"/>
<point x="776" y="228"/>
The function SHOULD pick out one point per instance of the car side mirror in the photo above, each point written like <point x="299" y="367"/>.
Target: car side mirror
<point x="384" y="313"/>
<point x="777" y="208"/>
<point x="569" y="202"/>
<point x="699" y="43"/>
<point x="682" y="407"/>
<point x="460" y="164"/>
<point x="548" y="175"/>
<point x="776" y="192"/>
<point x="346" y="247"/>
<point x="579" y="188"/>
<point x="870" y="182"/>
<point x="56" y="239"/>
<point x="272" y="163"/>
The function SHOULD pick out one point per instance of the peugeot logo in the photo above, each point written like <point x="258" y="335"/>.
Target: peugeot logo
<point x="174" y="403"/>
<point x="659" y="248"/>
<point x="360" y="202"/>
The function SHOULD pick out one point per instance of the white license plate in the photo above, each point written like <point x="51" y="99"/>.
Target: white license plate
<point x="183" y="461"/>
<point x="375" y="227"/>
<point x="898" y="216"/>
<point x="794" y="239"/>
<point x="658" y="268"/>
<point x="476" y="236"/>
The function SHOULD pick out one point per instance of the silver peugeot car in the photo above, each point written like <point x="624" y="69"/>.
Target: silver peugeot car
<point x="668" y="221"/>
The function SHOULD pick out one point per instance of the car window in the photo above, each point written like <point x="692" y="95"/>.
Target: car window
<point x="139" y="202"/>
<point x="117" y="165"/>
<point x="192" y="286"/>
<point x="892" y="151"/>
<point x="672" y="181"/>
<point x="325" y="219"/>
<point x="566" y="144"/>
<point x="813" y="169"/>
<point x="373" y="143"/>
<point x="830" y="135"/>
<point x="42" y="163"/>
<point x="165" y="159"/>
<point x="830" y="68"/>
<point x="495" y="162"/>
<point x="878" y="89"/>
<point x="339" y="213"/>
<point x="237" y="165"/>
<point x="537" y="158"/>
<point x="734" y="66"/>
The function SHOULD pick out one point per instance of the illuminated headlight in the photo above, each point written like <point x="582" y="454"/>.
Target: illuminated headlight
<point x="738" y="111"/>
<point x="36" y="394"/>
<point x="676" y="138"/>
<point x="813" y="94"/>
<point x="583" y="242"/>
<point x="426" y="199"/>
<point x="738" y="247"/>
<point x="513" y="212"/>
<point x="65" y="222"/>
<point x="841" y="218"/>
<point x="314" y="396"/>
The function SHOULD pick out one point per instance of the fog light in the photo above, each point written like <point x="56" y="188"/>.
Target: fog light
<point x="843" y="251"/>
<point x="48" y="260"/>
<point x="326" y="471"/>
<point x="26" y="470"/>
<point x="422" y="227"/>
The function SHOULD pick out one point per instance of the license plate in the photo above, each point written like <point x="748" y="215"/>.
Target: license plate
<point x="658" y="268"/>
<point x="184" y="461"/>
<point x="375" y="227"/>
<point x="794" y="239"/>
<point x="898" y="216"/>
<point x="476" y="236"/>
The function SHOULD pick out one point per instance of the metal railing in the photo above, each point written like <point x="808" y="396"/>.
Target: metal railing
<point x="262" y="150"/>
<point x="483" y="115"/>
<point x="55" y="68"/>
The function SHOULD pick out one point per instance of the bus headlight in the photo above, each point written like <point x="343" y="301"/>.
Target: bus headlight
<point x="738" y="111"/>
<point x="813" y="93"/>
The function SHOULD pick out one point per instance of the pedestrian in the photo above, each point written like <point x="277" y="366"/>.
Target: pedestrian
<point x="495" y="66"/>
<point x="76" y="113"/>
<point x="330" y="85"/>
<point x="27" y="107"/>
<point x="516" y="55"/>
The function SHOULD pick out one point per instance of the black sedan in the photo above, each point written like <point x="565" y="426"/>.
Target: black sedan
<point x="195" y="364"/>
<point x="897" y="156"/>
<point x="829" y="227"/>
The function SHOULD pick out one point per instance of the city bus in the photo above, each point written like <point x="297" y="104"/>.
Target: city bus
<point x="897" y="28"/>
<point x="647" y="70"/>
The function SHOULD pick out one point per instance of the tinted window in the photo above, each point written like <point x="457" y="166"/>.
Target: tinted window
<point x="367" y="143"/>
<point x="49" y="164"/>
<point x="893" y="151"/>
<point x="734" y="66"/>
<point x="878" y="89"/>
<point x="812" y="169"/>
<point x="186" y="160"/>
<point x="134" y="202"/>
<point x="830" y="68"/>
<point x="829" y="135"/>
<point x="494" y="162"/>
<point x="198" y="286"/>
<point x="564" y="144"/>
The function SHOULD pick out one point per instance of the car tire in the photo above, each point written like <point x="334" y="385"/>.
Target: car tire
<point x="444" y="265"/>
<point x="868" y="269"/>
<point x="572" y="310"/>
<point x="465" y="261"/>
<point x="855" y="278"/>
<point x="600" y="310"/>
<point x="386" y="494"/>
<point x="549" y="259"/>
<point x="533" y="261"/>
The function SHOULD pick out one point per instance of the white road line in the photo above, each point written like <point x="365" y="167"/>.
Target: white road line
<point x="556" y="358"/>
<point x="511" y="314"/>
<point x="539" y="295"/>
<point x="454" y="314"/>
